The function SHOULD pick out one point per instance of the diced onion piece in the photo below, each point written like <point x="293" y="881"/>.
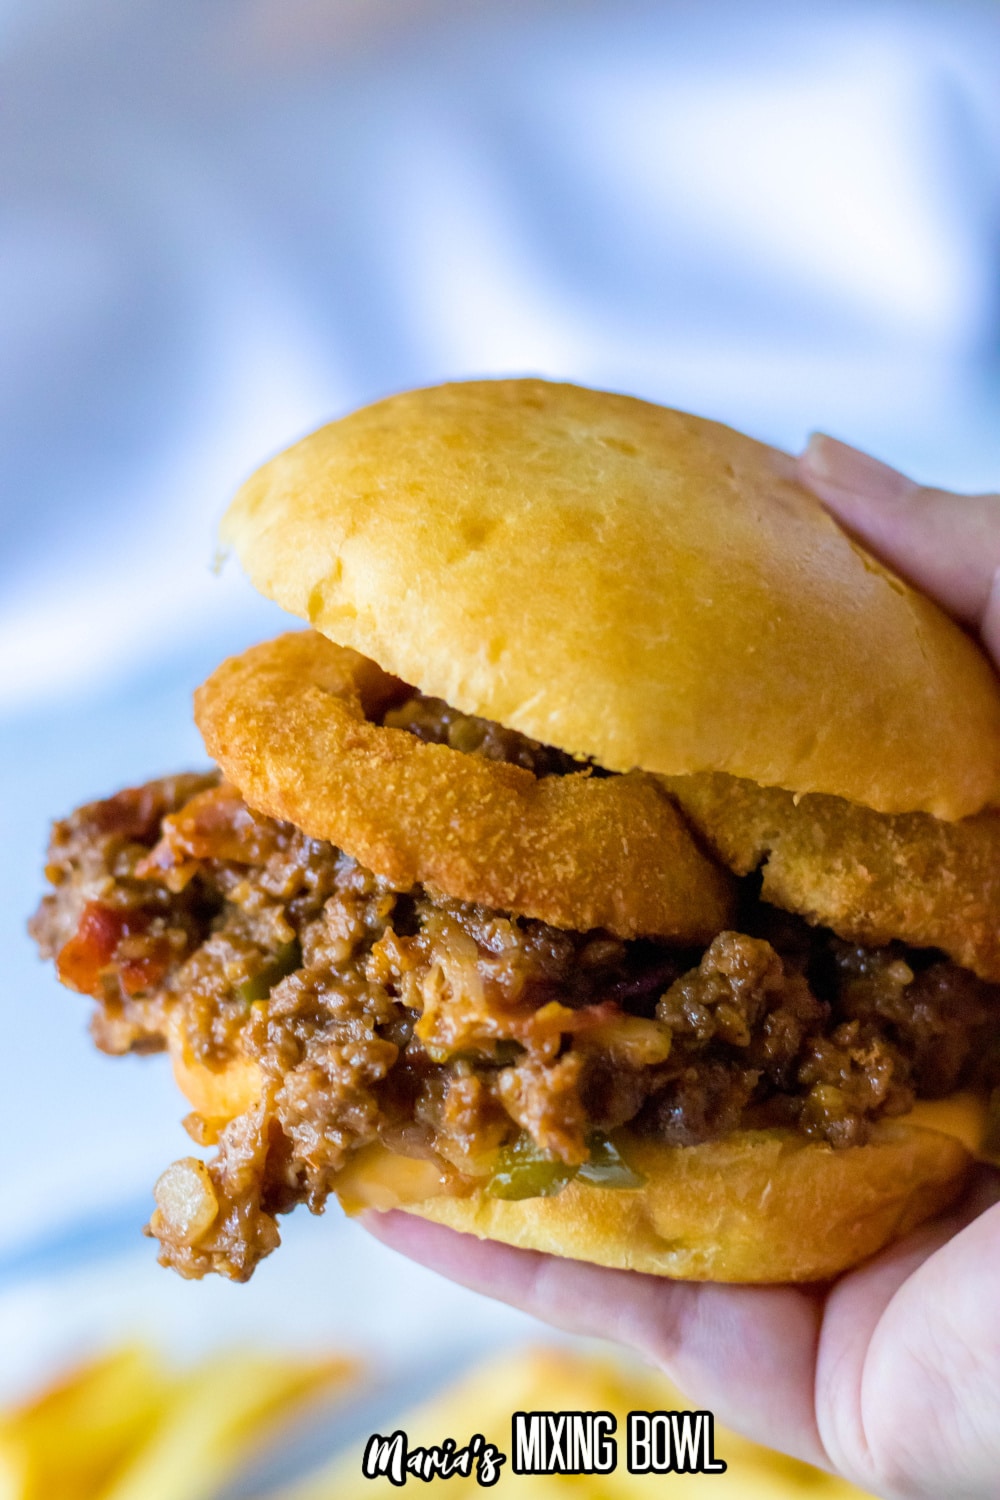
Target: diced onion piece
<point x="632" y="1041"/>
<point x="185" y="1202"/>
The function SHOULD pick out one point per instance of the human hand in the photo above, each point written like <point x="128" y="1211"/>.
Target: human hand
<point x="946" y="545"/>
<point x="891" y="1375"/>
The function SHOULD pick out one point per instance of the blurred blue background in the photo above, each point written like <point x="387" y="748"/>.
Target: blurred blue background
<point x="221" y="224"/>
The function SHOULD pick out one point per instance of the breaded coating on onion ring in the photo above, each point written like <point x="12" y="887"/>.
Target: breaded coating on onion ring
<point x="870" y="876"/>
<point x="292" y="723"/>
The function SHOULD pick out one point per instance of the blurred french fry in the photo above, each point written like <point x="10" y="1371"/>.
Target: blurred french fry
<point x="66" y="1443"/>
<point x="563" y="1380"/>
<point x="216" y="1420"/>
<point x="124" y="1428"/>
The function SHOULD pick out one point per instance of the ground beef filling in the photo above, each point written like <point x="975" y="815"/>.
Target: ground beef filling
<point x="448" y="1031"/>
<point x="437" y="723"/>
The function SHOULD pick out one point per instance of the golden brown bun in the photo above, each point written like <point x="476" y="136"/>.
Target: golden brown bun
<point x="287" y="722"/>
<point x="870" y="877"/>
<point x="627" y="583"/>
<point x="760" y="1206"/>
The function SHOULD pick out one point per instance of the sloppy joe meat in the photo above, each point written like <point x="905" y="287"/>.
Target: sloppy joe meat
<point x="447" y="1031"/>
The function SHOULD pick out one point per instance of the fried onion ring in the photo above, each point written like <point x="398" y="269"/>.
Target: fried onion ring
<point x="290" y="723"/>
<point x="870" y="876"/>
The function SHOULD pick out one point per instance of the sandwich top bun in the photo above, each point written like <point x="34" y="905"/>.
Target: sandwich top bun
<point x="625" y="582"/>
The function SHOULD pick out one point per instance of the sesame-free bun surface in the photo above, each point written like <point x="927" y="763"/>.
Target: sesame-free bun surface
<point x="756" y="1206"/>
<point x="625" y="582"/>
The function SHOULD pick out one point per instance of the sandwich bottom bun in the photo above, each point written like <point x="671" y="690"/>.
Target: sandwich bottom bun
<point x="755" y="1206"/>
<point x="759" y="1206"/>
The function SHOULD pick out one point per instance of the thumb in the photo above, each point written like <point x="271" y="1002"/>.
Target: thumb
<point x="946" y="545"/>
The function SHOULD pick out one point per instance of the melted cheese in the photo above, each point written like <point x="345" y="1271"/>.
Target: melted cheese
<point x="961" y="1115"/>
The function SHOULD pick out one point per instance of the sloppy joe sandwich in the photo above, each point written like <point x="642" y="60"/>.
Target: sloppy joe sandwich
<point x="610" y="867"/>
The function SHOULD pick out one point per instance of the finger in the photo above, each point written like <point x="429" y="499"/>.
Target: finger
<point x="989" y="627"/>
<point x="855" y="1307"/>
<point x="947" y="545"/>
<point x="864" y="1359"/>
<point x="745" y="1353"/>
<point x="933" y="1370"/>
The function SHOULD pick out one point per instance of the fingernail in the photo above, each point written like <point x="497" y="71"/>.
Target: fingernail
<point x="835" y="465"/>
